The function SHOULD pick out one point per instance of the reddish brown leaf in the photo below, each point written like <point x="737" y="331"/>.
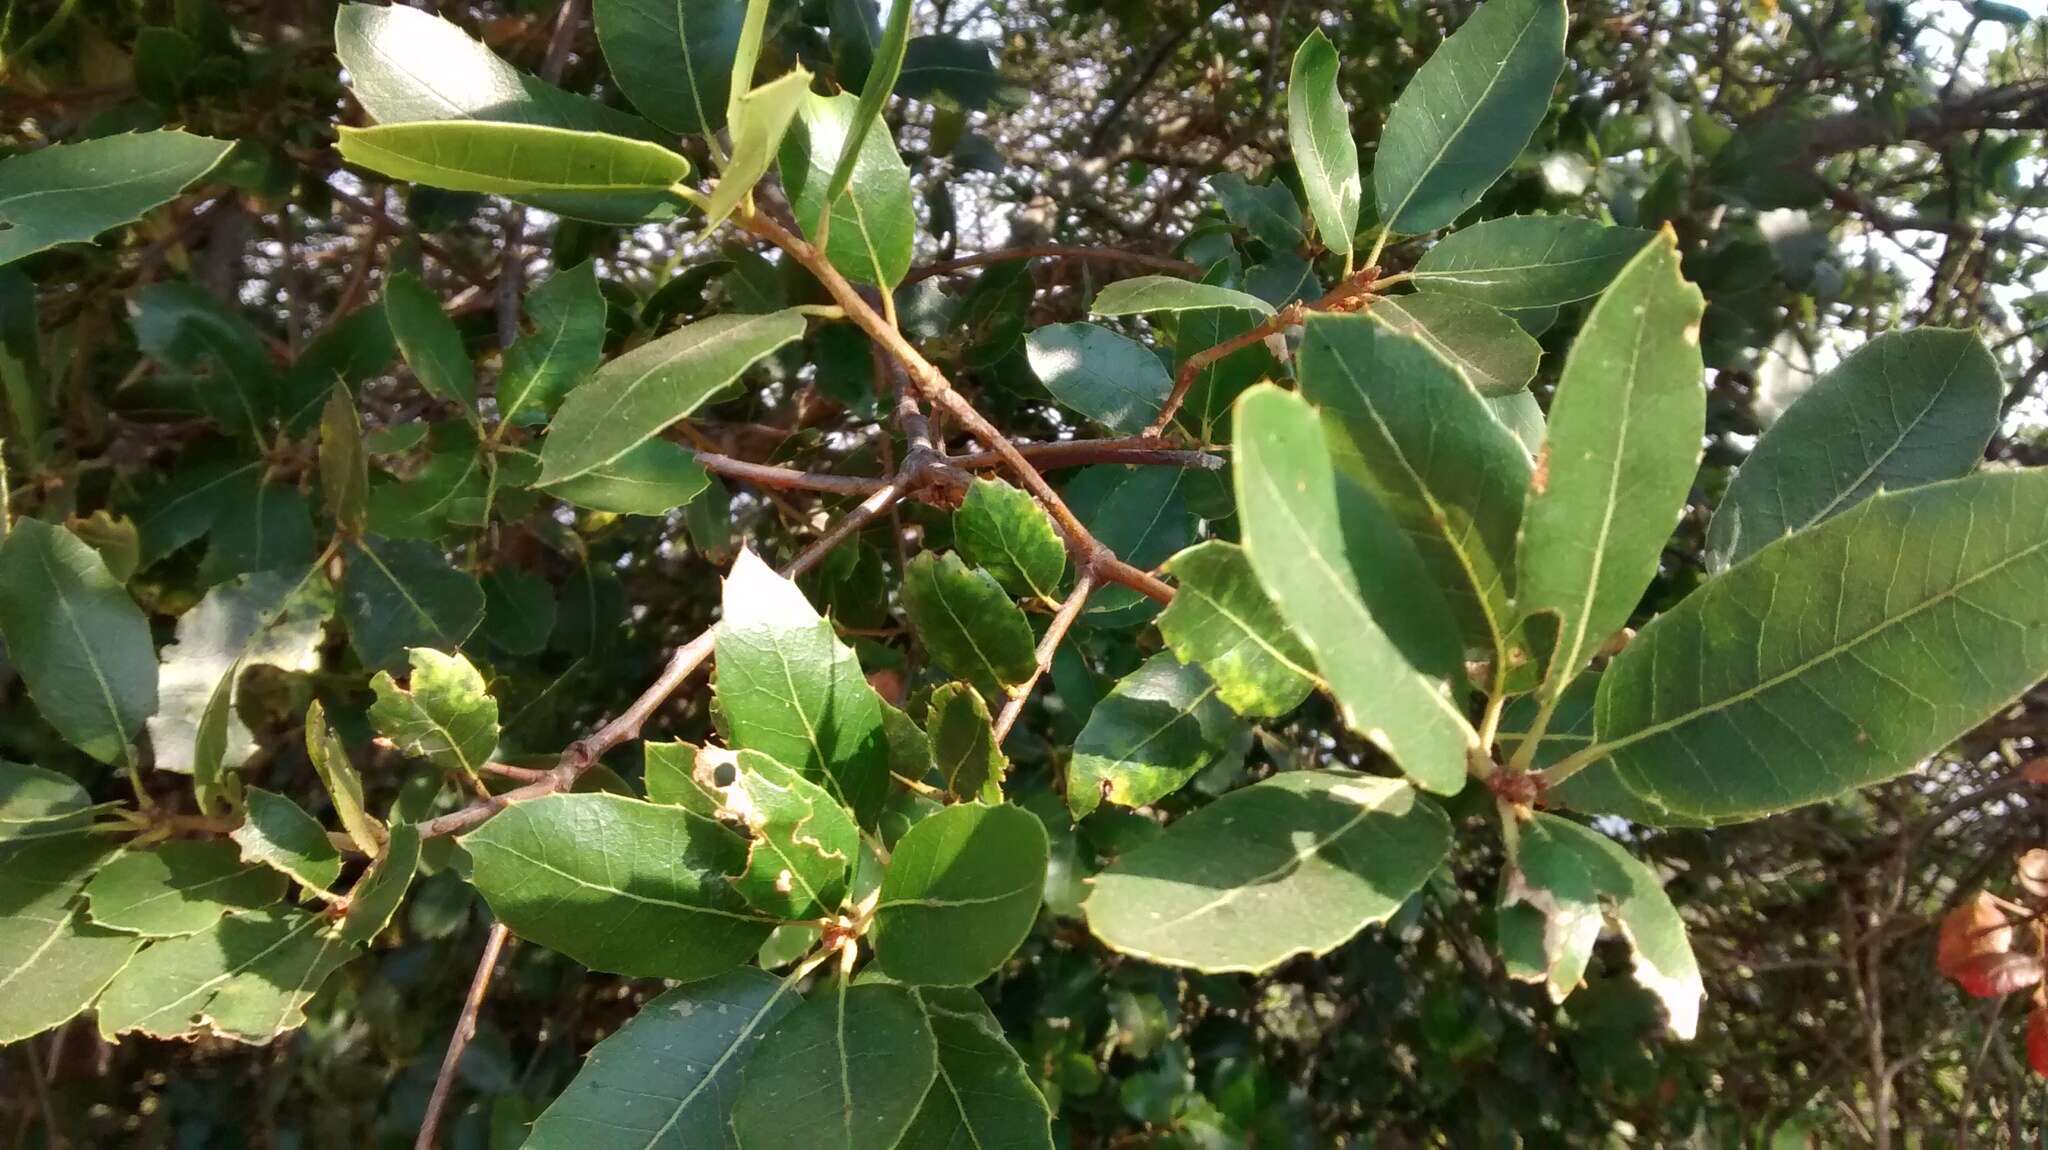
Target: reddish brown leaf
<point x="2037" y="1040"/>
<point x="1977" y="927"/>
<point x="1991" y="975"/>
<point x="2035" y="771"/>
<point x="2033" y="873"/>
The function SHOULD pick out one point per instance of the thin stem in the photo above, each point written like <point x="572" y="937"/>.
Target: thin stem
<point x="1565" y="768"/>
<point x="1062" y="621"/>
<point x="1379" y="245"/>
<point x="1054" y="251"/>
<point x="465" y="1029"/>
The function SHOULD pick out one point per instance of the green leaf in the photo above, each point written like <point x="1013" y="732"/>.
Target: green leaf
<point x="668" y="1077"/>
<point x="791" y="690"/>
<point x="35" y="802"/>
<point x="968" y="623"/>
<point x="1523" y="416"/>
<point x="262" y="525"/>
<point x="516" y="160"/>
<point x="344" y="464"/>
<point x="1319" y="132"/>
<point x="1918" y="614"/>
<point x="1354" y="589"/>
<point x="1147" y="294"/>
<point x="1549" y="913"/>
<point x="1406" y="425"/>
<point x="1295" y="864"/>
<point x="1222" y="621"/>
<point x="429" y="341"/>
<point x="272" y="619"/>
<point x="873" y="223"/>
<point x="984" y="1096"/>
<point x="963" y="744"/>
<point x="69" y="193"/>
<point x="53" y="962"/>
<point x="801" y="843"/>
<point x="78" y="641"/>
<point x="1468" y="113"/>
<point x="1528" y="261"/>
<point x="180" y="887"/>
<point x="1141" y="514"/>
<point x="1205" y="411"/>
<point x="1568" y="871"/>
<point x="376" y="898"/>
<point x="758" y="121"/>
<point x="672" y="60"/>
<point x="1111" y="379"/>
<point x="654" y="478"/>
<point x="960" y="71"/>
<point x="1160" y="726"/>
<point x="844" y="1071"/>
<point x="961" y="892"/>
<point x="247" y="977"/>
<point x="444" y="714"/>
<point x="397" y="595"/>
<point x="1491" y="350"/>
<point x="670" y="777"/>
<point x="1907" y="408"/>
<point x="1625" y="429"/>
<point x="386" y="49"/>
<point x="185" y="507"/>
<point x="349" y="351"/>
<point x="449" y="488"/>
<point x="618" y="885"/>
<point x="632" y="398"/>
<point x="568" y="314"/>
<point x="344" y="786"/>
<point x="1266" y="211"/>
<point x="882" y="68"/>
<point x="519" y="611"/>
<point x="279" y="833"/>
<point x="230" y="375"/>
<point x="1006" y="533"/>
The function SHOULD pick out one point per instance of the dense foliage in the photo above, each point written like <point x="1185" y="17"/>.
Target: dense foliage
<point x="1212" y="666"/>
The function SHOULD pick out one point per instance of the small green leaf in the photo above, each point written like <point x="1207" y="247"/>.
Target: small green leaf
<point x="230" y="374"/>
<point x="1907" y="408"/>
<point x="1295" y="864"/>
<point x="444" y="714"/>
<point x="247" y="977"/>
<point x="53" y="962"/>
<point x="1109" y="378"/>
<point x="791" y="690"/>
<point x="668" y="1077"/>
<point x="77" y="639"/>
<point x="1528" y="261"/>
<point x="278" y="833"/>
<point x="654" y="478"/>
<point x="1839" y="656"/>
<point x="568" y="314"/>
<point x="1468" y="113"/>
<point x="35" y="802"/>
<point x="375" y="899"/>
<point x="396" y="595"/>
<point x="517" y="160"/>
<point x="344" y="786"/>
<point x="1319" y="132"/>
<point x="1159" y="727"/>
<point x="1141" y="514"/>
<point x="1491" y="350"/>
<point x="429" y="341"/>
<point x="1354" y="589"/>
<point x="758" y="121"/>
<point x="968" y="623"/>
<point x="618" y="885"/>
<point x="69" y="193"/>
<point x="1006" y="533"/>
<point x="632" y="398"/>
<point x="873" y="223"/>
<point x="179" y="887"/>
<point x="672" y="60"/>
<point x="958" y="70"/>
<point x="1403" y="423"/>
<point x="984" y="1095"/>
<point x="1267" y="211"/>
<point x="344" y="465"/>
<point x="801" y="843"/>
<point x="1625" y="428"/>
<point x="961" y="892"/>
<point x="963" y="745"/>
<point x="844" y="1071"/>
<point x="1147" y="294"/>
<point x="1222" y="621"/>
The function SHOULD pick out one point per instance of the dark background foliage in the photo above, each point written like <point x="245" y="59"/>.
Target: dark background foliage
<point x="1833" y="169"/>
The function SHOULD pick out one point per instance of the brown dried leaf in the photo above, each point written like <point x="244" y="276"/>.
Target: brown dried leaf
<point x="2003" y="972"/>
<point x="1976" y="928"/>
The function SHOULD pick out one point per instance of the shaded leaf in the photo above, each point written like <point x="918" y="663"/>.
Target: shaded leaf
<point x="69" y="193"/>
<point x="984" y="1096"/>
<point x="672" y="60"/>
<point x="844" y="1071"/>
<point x="1140" y="513"/>
<point x="1492" y="351"/>
<point x="963" y="745"/>
<point x="968" y="623"/>
<point x="961" y="892"/>
<point x="35" y="802"/>
<point x="382" y="888"/>
<point x="179" y="887"/>
<point x="568" y="314"/>
<point x="53" y="962"/>
<point x="1159" y="727"/>
<point x="1004" y="531"/>
<point x="78" y="641"/>
<point x="344" y="464"/>
<point x="1107" y="377"/>
<point x="429" y="341"/>
<point x="247" y="977"/>
<point x="278" y="833"/>
<point x="396" y="595"/>
<point x="1319" y="133"/>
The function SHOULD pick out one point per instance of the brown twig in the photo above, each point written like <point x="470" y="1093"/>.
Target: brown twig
<point x="465" y="1029"/>
<point x="1346" y="296"/>
<point x="1048" y="646"/>
<point x="1075" y="453"/>
<point x="1054" y="251"/>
